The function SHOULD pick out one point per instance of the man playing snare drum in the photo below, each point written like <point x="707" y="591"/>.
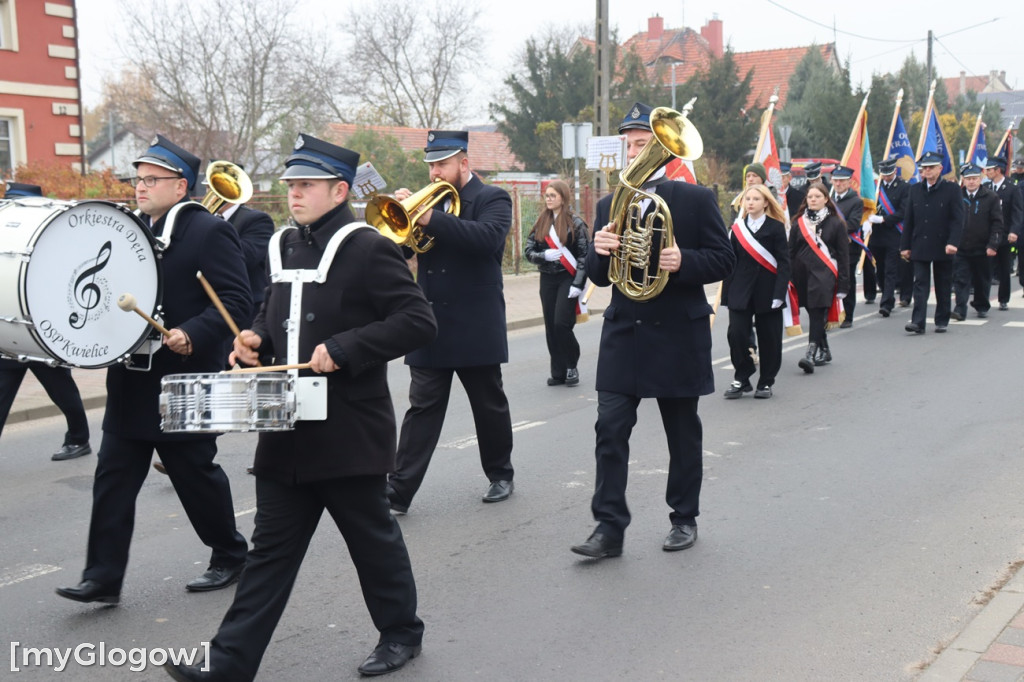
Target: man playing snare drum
<point x="195" y="241"/>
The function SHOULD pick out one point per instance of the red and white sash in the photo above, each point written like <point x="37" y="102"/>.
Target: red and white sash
<point x="757" y="251"/>
<point x="569" y="262"/>
<point x="835" y="311"/>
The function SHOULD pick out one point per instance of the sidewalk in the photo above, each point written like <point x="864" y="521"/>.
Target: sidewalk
<point x="989" y="649"/>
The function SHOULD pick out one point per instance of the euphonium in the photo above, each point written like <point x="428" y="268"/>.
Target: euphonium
<point x="641" y="239"/>
<point x="396" y="220"/>
<point x="228" y="184"/>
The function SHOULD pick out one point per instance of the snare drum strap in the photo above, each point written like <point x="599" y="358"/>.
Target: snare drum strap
<point x="164" y="238"/>
<point x="278" y="274"/>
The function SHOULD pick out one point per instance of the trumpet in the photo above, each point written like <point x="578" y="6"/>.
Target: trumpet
<point x="397" y="220"/>
<point x="642" y="239"/>
<point x="228" y="184"/>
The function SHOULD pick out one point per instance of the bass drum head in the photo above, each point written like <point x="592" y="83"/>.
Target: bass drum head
<point x="81" y="262"/>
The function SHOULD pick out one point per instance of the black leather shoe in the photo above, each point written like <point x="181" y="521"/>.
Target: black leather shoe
<point x="680" y="537"/>
<point x="89" y="591"/>
<point x="387" y="658"/>
<point x="940" y="329"/>
<point x="397" y="506"/>
<point x="71" y="452"/>
<point x="846" y="324"/>
<point x="737" y="389"/>
<point x="1004" y="306"/>
<point x="191" y="673"/>
<point x="959" y="317"/>
<point x="599" y="546"/>
<point x="869" y="301"/>
<point x="763" y="392"/>
<point x="884" y="312"/>
<point x="904" y="303"/>
<point x="572" y="377"/>
<point x="499" y="491"/>
<point x="983" y="314"/>
<point x="215" y="578"/>
<point x="552" y="381"/>
<point x="913" y="328"/>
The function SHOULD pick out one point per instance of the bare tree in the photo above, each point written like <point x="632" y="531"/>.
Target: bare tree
<point x="231" y="79"/>
<point x="407" y="59"/>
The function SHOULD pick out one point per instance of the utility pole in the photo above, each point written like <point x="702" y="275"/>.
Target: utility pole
<point x="602" y="77"/>
<point x="929" y="56"/>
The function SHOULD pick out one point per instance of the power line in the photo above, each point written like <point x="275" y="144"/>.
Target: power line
<point x="836" y="30"/>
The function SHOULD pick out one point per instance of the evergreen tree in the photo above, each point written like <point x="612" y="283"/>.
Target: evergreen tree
<point x="820" y="107"/>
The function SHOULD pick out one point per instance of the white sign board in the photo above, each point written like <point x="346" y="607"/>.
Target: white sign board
<point x="606" y="153"/>
<point x="368" y="181"/>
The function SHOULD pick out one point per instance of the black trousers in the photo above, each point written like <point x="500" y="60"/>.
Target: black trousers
<point x="850" y="302"/>
<point x="887" y="267"/>
<point x="871" y="285"/>
<point x="769" y="342"/>
<point x="972" y="272"/>
<point x="1001" y="268"/>
<point x="421" y="428"/>
<point x="816" y="320"/>
<point x="616" y="417"/>
<point x="559" y="319"/>
<point x="202" y="486"/>
<point x="923" y="271"/>
<point x="58" y="384"/>
<point x="286" y="518"/>
<point x="905" y="274"/>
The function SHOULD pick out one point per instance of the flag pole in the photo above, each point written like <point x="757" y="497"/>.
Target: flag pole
<point x="878" y="180"/>
<point x="924" y="121"/>
<point x="856" y="127"/>
<point x="766" y="120"/>
<point x="974" y="137"/>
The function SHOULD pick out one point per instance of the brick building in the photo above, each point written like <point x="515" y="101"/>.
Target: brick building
<point x="40" y="98"/>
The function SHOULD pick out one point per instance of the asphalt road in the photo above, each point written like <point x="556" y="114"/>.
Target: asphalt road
<point x="848" y="525"/>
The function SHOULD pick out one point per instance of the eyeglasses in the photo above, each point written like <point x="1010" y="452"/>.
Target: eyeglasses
<point x="150" y="180"/>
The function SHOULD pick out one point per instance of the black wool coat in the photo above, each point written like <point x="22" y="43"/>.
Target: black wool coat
<point x="932" y="220"/>
<point x="368" y="311"/>
<point x="254" y="231"/>
<point x="751" y="286"/>
<point x="815" y="284"/>
<point x="662" y="347"/>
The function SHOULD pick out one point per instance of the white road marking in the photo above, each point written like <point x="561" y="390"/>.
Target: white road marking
<point x="245" y="511"/>
<point x="1014" y="324"/>
<point x="26" y="573"/>
<point x="470" y="441"/>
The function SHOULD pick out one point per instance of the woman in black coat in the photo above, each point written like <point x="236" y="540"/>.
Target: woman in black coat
<point x="557" y="245"/>
<point x="819" y="255"/>
<point x="756" y="291"/>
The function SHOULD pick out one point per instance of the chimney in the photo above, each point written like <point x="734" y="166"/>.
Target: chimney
<point x="655" y="27"/>
<point x="963" y="82"/>
<point x="712" y="32"/>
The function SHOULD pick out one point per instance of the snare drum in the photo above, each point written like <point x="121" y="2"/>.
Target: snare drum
<point x="63" y="266"/>
<point x="216" y="403"/>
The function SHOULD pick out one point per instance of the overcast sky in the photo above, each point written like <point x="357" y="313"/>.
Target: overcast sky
<point x="876" y="35"/>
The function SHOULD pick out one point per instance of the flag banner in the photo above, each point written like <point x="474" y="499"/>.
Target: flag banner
<point x="858" y="158"/>
<point x="1005" y="149"/>
<point x="935" y="141"/>
<point x="681" y="170"/>
<point x="979" y="153"/>
<point x="906" y="163"/>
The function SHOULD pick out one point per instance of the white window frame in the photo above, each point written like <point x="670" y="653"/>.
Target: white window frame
<point x="16" y="118"/>
<point x="8" y="25"/>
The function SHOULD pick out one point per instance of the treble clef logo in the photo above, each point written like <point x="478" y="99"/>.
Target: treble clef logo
<point x="87" y="293"/>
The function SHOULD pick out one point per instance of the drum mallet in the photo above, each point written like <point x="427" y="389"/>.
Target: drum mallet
<point x="128" y="303"/>
<point x="220" y="306"/>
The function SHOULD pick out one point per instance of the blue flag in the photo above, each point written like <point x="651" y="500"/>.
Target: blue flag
<point x="935" y="141"/>
<point x="980" y="154"/>
<point x="906" y="164"/>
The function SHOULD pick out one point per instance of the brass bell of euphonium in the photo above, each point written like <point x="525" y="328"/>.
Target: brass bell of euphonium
<point x="396" y="220"/>
<point x="228" y="184"/>
<point x="643" y="238"/>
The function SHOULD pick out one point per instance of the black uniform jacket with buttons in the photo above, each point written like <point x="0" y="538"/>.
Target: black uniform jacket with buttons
<point x="794" y="200"/>
<point x="254" y="231"/>
<point x="461" y="278"/>
<point x="1013" y="208"/>
<point x="199" y="242"/>
<point x="983" y="223"/>
<point x="932" y="220"/>
<point x="368" y="311"/>
<point x="578" y="243"/>
<point x="662" y="347"/>
<point x="886" y="233"/>
<point x="751" y="286"/>
<point x="852" y="209"/>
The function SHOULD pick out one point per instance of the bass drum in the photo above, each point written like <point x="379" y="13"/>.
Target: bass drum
<point x="63" y="266"/>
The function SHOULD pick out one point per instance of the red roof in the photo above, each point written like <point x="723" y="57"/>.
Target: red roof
<point x="488" y="152"/>
<point x="692" y="52"/>
<point x="976" y="83"/>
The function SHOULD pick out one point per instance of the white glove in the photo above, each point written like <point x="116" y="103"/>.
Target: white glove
<point x="776" y="303"/>
<point x="876" y="219"/>
<point x="552" y="255"/>
<point x="840" y="296"/>
<point x="574" y="292"/>
<point x="866" y="230"/>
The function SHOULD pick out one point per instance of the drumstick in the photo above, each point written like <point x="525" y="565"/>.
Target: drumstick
<point x="220" y="306"/>
<point x="128" y="303"/>
<point x="714" y="306"/>
<point x="590" y="292"/>
<point x="269" y="368"/>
